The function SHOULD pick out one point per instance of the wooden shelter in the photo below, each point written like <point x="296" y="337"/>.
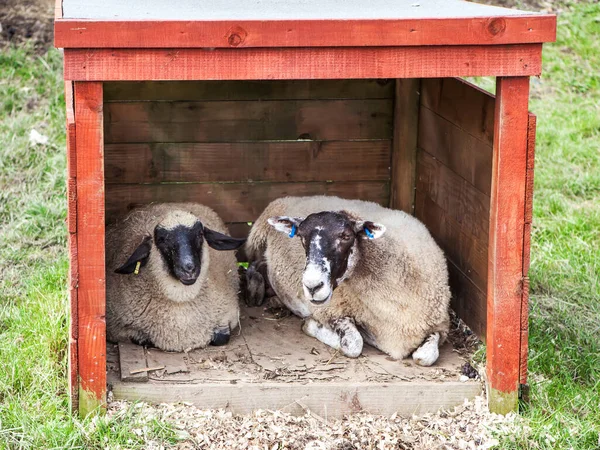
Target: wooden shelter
<point x="235" y="103"/>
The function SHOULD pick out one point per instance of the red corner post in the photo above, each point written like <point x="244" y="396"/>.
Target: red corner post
<point x="506" y="251"/>
<point x="91" y="326"/>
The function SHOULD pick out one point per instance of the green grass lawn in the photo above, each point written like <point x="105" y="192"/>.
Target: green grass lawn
<point x="565" y="273"/>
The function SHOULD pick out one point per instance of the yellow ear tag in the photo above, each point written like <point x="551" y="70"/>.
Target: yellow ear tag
<point x="137" y="268"/>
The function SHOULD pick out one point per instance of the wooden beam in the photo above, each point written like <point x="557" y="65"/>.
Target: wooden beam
<point x="76" y="33"/>
<point x="302" y="63"/>
<point x="90" y="244"/>
<point x="404" y="147"/>
<point x="505" y="267"/>
<point x="328" y="399"/>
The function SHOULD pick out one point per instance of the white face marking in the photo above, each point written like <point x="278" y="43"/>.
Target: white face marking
<point x="316" y="280"/>
<point x="352" y="260"/>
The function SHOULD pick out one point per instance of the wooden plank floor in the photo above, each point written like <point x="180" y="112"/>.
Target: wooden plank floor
<point x="271" y="364"/>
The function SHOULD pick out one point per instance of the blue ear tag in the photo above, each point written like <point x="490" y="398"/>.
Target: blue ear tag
<point x="293" y="232"/>
<point x="369" y="234"/>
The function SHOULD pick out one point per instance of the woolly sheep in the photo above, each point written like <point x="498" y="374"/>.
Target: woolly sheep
<point x="167" y="284"/>
<point x="358" y="271"/>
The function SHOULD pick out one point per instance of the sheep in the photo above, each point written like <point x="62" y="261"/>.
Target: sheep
<point x="358" y="273"/>
<point x="167" y="285"/>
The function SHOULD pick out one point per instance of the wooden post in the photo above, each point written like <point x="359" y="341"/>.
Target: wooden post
<point x="91" y="339"/>
<point x="507" y="221"/>
<point x="404" y="150"/>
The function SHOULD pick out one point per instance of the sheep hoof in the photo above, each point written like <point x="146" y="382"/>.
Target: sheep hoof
<point x="428" y="353"/>
<point x="144" y="342"/>
<point x="255" y="286"/>
<point x="220" y="337"/>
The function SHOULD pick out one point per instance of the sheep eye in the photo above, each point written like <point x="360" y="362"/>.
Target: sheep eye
<point x="345" y="236"/>
<point x="160" y="240"/>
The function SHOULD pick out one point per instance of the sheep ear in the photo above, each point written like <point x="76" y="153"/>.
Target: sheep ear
<point x="369" y="230"/>
<point x="285" y="224"/>
<point x="140" y="255"/>
<point x="220" y="241"/>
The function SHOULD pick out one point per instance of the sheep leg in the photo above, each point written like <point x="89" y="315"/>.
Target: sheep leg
<point x="428" y="352"/>
<point x="338" y="333"/>
<point x="256" y="283"/>
<point x="220" y="336"/>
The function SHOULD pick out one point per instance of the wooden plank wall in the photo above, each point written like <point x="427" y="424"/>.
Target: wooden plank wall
<point x="453" y="185"/>
<point x="237" y="145"/>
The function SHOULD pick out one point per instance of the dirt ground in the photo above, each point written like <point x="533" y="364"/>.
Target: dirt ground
<point x="28" y="21"/>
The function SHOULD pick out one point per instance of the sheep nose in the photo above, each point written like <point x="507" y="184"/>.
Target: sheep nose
<point x="188" y="266"/>
<point x="314" y="289"/>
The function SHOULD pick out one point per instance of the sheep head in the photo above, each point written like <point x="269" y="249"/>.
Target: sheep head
<point x="330" y="240"/>
<point x="179" y="238"/>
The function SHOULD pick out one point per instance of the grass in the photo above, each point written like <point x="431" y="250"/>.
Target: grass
<point x="565" y="273"/>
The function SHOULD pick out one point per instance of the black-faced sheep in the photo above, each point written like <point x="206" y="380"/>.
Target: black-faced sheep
<point x="355" y="270"/>
<point x="168" y="285"/>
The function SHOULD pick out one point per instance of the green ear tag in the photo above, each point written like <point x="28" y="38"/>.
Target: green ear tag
<point x="137" y="267"/>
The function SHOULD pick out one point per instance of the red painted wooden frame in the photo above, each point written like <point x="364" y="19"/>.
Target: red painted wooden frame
<point x="74" y="33"/>
<point x="509" y="48"/>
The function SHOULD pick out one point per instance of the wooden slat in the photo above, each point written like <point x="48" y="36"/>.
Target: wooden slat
<point x="464" y="154"/>
<point x="305" y="33"/>
<point x="72" y="244"/>
<point x="465" y="105"/>
<point x="505" y="268"/>
<point x="302" y="63"/>
<point x="528" y="217"/>
<point x="467" y="252"/>
<point x="404" y="152"/>
<point x="248" y="161"/>
<point x="468" y="301"/>
<point x="90" y="244"/>
<point x="254" y="120"/>
<point x="247" y="90"/>
<point x="131" y="359"/>
<point x="327" y="399"/>
<point x="463" y="202"/>
<point x="235" y="202"/>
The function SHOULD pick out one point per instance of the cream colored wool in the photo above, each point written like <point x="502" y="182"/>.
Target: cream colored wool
<point x="157" y="306"/>
<point x="398" y="291"/>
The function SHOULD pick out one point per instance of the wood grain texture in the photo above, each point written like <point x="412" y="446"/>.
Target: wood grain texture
<point x="190" y="91"/>
<point x="463" y="104"/>
<point x="301" y="63"/>
<point x="247" y="121"/>
<point x="467" y="252"/>
<point x="464" y="154"/>
<point x="132" y="358"/>
<point x="72" y="245"/>
<point x="462" y="202"/>
<point x="90" y="244"/>
<point x="73" y="33"/>
<point x="505" y="268"/>
<point x="248" y="161"/>
<point x="404" y="150"/>
<point x="528" y="217"/>
<point x="235" y="202"/>
<point x="468" y="301"/>
<point x="333" y="400"/>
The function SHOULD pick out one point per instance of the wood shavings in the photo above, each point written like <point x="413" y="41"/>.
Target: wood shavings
<point x="468" y="426"/>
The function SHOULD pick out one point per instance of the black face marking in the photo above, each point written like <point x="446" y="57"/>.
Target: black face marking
<point x="328" y="238"/>
<point x="181" y="250"/>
